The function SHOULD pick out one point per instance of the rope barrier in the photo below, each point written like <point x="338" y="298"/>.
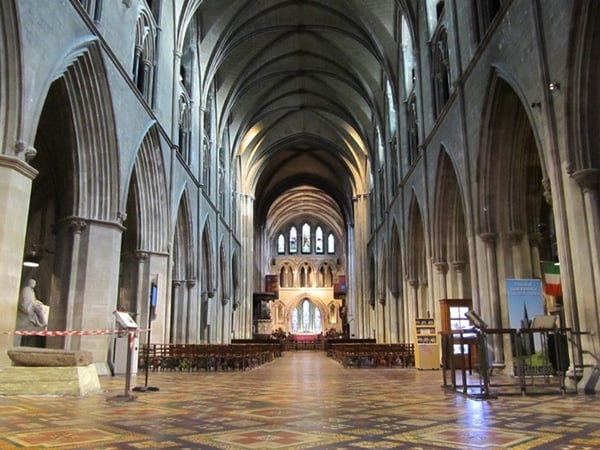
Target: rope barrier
<point x="73" y="332"/>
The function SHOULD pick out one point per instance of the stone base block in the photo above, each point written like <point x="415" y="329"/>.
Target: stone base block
<point x="75" y="381"/>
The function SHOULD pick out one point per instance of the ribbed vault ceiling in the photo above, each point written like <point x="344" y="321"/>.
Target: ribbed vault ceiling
<point x="301" y="85"/>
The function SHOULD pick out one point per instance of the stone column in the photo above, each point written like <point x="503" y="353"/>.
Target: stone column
<point x="93" y="285"/>
<point x="16" y="177"/>
<point x="414" y="298"/>
<point x="141" y="315"/>
<point x="191" y="315"/>
<point x="587" y="179"/>
<point x="358" y="304"/>
<point x="76" y="226"/>
<point x="177" y="311"/>
<point x="394" y="317"/>
<point x="494" y="308"/>
<point x="203" y="328"/>
<point x="534" y="243"/>
<point x="244" y="327"/>
<point x="442" y="270"/>
<point x="515" y="237"/>
<point x="458" y="267"/>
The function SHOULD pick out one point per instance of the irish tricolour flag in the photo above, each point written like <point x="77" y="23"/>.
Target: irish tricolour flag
<point x="551" y="278"/>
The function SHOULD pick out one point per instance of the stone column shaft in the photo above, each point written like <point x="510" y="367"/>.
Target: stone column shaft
<point x="16" y="177"/>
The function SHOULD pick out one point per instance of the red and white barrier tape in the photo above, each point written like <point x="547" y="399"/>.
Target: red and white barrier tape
<point x="72" y="333"/>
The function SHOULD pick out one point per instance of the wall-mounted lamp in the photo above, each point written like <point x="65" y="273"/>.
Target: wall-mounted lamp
<point x="553" y="86"/>
<point x="32" y="259"/>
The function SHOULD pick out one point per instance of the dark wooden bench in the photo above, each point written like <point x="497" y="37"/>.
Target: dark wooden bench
<point x="369" y="355"/>
<point x="207" y="357"/>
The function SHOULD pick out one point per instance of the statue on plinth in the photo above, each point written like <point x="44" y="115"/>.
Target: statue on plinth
<point x="32" y="314"/>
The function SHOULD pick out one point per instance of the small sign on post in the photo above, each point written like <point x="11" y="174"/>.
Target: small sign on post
<point x="126" y="322"/>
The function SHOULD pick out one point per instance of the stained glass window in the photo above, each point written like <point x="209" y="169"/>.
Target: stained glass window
<point x="319" y="240"/>
<point x="306" y="238"/>
<point x="293" y="240"/>
<point x="330" y="244"/>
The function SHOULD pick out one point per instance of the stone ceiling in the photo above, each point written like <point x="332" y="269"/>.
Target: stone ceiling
<point x="301" y="85"/>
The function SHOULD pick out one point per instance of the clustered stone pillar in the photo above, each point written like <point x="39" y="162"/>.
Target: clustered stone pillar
<point x="16" y="177"/>
<point x="357" y="275"/>
<point x="587" y="179"/>
<point x="489" y="239"/>
<point x="76" y="226"/>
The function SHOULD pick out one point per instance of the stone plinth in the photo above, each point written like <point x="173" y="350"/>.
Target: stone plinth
<point x="49" y="357"/>
<point x="66" y="381"/>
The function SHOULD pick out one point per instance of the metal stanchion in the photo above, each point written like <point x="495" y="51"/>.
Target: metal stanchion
<point x="128" y="324"/>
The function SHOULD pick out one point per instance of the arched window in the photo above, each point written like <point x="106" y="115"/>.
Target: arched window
<point x="391" y="109"/>
<point x="185" y="126"/>
<point x="484" y="12"/>
<point x="317" y="321"/>
<point x="93" y="8"/>
<point x="408" y="57"/>
<point x="144" y="55"/>
<point x="330" y="244"/>
<point x="295" y="320"/>
<point x="319" y="240"/>
<point x="412" y="129"/>
<point x="281" y="244"/>
<point x="206" y="165"/>
<point x="306" y="238"/>
<point x="441" y="72"/>
<point x="293" y="240"/>
<point x="306" y="316"/>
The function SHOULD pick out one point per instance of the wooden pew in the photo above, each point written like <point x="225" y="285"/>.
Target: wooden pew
<point x="373" y="355"/>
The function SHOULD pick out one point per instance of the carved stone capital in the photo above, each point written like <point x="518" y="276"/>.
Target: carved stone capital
<point x="141" y="255"/>
<point x="177" y="283"/>
<point x="77" y="226"/>
<point x="191" y="283"/>
<point x="24" y="152"/>
<point x="413" y="282"/>
<point x="441" y="267"/>
<point x="121" y="217"/>
<point x="535" y="239"/>
<point x="458" y="266"/>
<point x="488" y="237"/>
<point x="547" y="190"/>
<point x="587" y="179"/>
<point x="515" y="236"/>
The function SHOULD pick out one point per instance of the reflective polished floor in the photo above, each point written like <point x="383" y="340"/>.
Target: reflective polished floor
<point x="303" y="400"/>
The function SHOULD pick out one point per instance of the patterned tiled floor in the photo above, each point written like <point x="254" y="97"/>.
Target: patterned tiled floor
<point x="304" y="400"/>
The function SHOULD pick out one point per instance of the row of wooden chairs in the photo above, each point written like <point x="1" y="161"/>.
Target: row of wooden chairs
<point x="206" y="357"/>
<point x="374" y="355"/>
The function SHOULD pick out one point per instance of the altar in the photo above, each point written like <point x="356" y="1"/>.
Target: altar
<point x="306" y="337"/>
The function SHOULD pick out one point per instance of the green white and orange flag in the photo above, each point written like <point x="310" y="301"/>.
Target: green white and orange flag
<point x="551" y="278"/>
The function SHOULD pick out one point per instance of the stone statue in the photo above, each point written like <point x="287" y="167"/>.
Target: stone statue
<point x="33" y="313"/>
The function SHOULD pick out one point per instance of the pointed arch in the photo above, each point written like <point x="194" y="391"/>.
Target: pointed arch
<point x="183" y="241"/>
<point x="510" y="169"/>
<point x="151" y="194"/>
<point x="208" y="261"/>
<point x="96" y="175"/>
<point x="416" y="260"/>
<point x="583" y="101"/>
<point x="449" y="230"/>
